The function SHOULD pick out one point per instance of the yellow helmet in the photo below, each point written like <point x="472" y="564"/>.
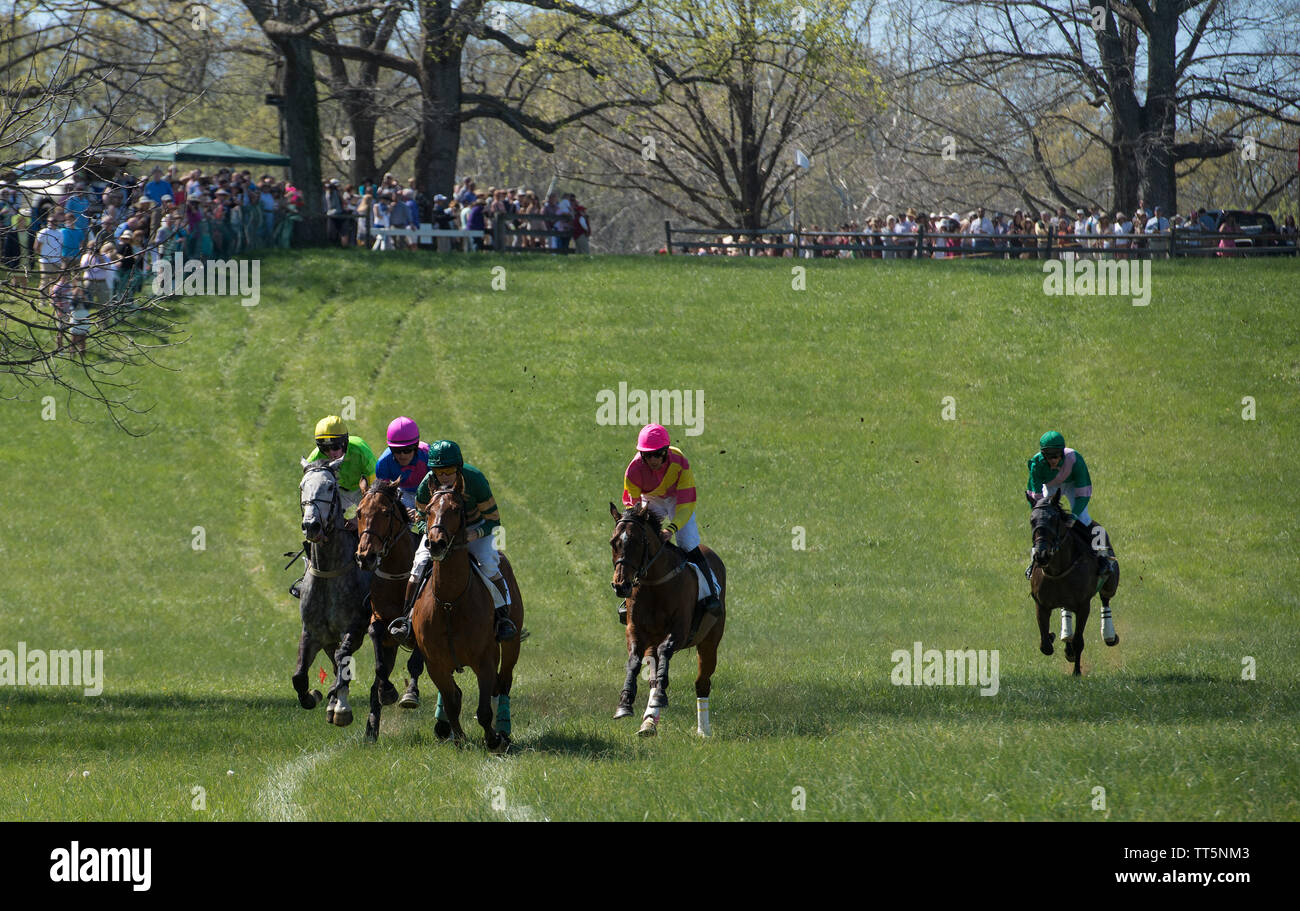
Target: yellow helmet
<point x="331" y="426"/>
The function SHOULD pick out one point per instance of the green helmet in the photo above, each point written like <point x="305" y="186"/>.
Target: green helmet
<point x="1051" y="440"/>
<point x="445" y="454"/>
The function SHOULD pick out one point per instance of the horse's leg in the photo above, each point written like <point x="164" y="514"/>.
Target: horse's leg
<point x="307" y="650"/>
<point x="1044" y="637"/>
<point x="486" y="672"/>
<point x="707" y="654"/>
<point x="628" y="695"/>
<point x="445" y="682"/>
<point x="659" y="695"/>
<point x="382" y="667"/>
<point x="343" y="659"/>
<point x="414" y="665"/>
<point x="505" y="680"/>
<point x="451" y="703"/>
<point x="1078" y="638"/>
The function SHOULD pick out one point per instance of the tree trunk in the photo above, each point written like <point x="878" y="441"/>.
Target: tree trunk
<point x="439" y="144"/>
<point x="1159" y="187"/>
<point x="301" y="120"/>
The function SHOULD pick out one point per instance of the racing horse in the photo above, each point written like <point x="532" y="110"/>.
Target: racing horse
<point x="333" y="602"/>
<point x="661" y="602"/>
<point x="386" y="548"/>
<point x="455" y="626"/>
<point x="1064" y="575"/>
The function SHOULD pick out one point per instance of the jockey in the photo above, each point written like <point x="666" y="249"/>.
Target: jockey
<point x="660" y="475"/>
<point x="481" y="517"/>
<point x="1057" y="467"/>
<point x="355" y="474"/>
<point x="406" y="460"/>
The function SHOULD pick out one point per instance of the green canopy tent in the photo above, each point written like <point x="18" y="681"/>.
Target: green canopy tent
<point x="204" y="149"/>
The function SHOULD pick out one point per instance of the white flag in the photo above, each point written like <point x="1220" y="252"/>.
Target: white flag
<point x="801" y="160"/>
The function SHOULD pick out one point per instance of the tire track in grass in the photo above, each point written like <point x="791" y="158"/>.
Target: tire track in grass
<point x="494" y="780"/>
<point x="275" y="800"/>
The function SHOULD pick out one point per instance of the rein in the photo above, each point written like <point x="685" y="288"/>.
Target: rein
<point x="449" y="606"/>
<point x="1056" y="547"/>
<point x="386" y="544"/>
<point x="646" y="564"/>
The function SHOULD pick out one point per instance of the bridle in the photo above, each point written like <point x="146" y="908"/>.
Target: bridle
<point x="1054" y="530"/>
<point x="645" y="563"/>
<point x="442" y="491"/>
<point x="396" y="529"/>
<point x="335" y="511"/>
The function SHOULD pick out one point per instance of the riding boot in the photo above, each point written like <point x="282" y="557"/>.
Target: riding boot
<point x="1104" y="567"/>
<point x="296" y="588"/>
<point x="1029" y="570"/>
<point x="400" y="629"/>
<point x="712" y="603"/>
<point x="505" y="627"/>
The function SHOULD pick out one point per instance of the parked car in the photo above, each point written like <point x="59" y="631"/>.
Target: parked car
<point x="1257" y="228"/>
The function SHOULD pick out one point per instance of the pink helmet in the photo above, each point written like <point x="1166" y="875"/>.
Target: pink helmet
<point x="403" y="432"/>
<point x="651" y="438"/>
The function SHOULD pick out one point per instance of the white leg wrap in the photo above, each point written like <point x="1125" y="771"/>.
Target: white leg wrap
<point x="1107" y="623"/>
<point x="652" y="712"/>
<point x="702" y="716"/>
<point x="1067" y="624"/>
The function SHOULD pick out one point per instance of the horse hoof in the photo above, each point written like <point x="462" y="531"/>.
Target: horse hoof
<point x="343" y="717"/>
<point x="372" y="730"/>
<point x="409" y="700"/>
<point x="1046" y="646"/>
<point x="648" y="728"/>
<point x="1114" y="641"/>
<point x="623" y="711"/>
<point x="310" y="700"/>
<point x="442" y="730"/>
<point x="329" y="714"/>
<point x="387" y="693"/>
<point x="502" y="745"/>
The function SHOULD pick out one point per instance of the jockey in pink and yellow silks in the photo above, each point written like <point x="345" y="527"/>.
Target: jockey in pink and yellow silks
<point x="661" y="476"/>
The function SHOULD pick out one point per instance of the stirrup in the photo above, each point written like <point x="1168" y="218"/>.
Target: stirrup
<point x="400" y="629"/>
<point x="622" y="613"/>
<point x="295" y="590"/>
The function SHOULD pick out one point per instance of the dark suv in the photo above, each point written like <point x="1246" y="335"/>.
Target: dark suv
<point x="1257" y="228"/>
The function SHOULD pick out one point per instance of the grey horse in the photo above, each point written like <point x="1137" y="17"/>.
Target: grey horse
<point x="333" y="603"/>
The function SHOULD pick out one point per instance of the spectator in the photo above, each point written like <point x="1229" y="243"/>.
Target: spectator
<point x="1157" y="223"/>
<point x="79" y="324"/>
<point x="157" y="187"/>
<point x="476" y="220"/>
<point x="73" y="237"/>
<point x="49" y="253"/>
<point x="582" y="229"/>
<point x="100" y="273"/>
<point x="61" y="298"/>
<point x="1123" y="230"/>
<point x="1228" y="245"/>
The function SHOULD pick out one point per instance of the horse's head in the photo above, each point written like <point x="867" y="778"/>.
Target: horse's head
<point x="1045" y="525"/>
<point x="445" y="518"/>
<point x="318" y="493"/>
<point x="637" y="531"/>
<point x="381" y="520"/>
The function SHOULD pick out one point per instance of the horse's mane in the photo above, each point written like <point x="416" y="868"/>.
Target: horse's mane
<point x="388" y="489"/>
<point x="642" y="510"/>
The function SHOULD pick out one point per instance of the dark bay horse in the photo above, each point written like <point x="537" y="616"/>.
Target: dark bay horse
<point x="661" y="592"/>
<point x="333" y="602"/>
<point x="454" y="624"/>
<point x="387" y="550"/>
<point x="1064" y="575"/>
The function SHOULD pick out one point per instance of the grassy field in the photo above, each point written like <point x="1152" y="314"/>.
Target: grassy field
<point x="824" y="409"/>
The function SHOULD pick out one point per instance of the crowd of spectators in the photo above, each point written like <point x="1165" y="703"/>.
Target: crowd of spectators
<point x="1019" y="235"/>
<point x="356" y="213"/>
<point x="97" y="246"/>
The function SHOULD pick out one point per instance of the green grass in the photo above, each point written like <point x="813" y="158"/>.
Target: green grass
<point x="822" y="410"/>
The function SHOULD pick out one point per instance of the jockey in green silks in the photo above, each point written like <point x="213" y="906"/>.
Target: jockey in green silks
<point x="1057" y="467"/>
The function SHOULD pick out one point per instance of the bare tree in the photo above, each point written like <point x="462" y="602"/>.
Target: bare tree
<point x="730" y="90"/>
<point x="51" y="88"/>
<point x="1152" y="85"/>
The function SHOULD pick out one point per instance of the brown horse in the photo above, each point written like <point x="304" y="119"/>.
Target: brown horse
<point x="386" y="550"/>
<point x="454" y="624"/>
<point x="662" y="592"/>
<point x="1064" y="575"/>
